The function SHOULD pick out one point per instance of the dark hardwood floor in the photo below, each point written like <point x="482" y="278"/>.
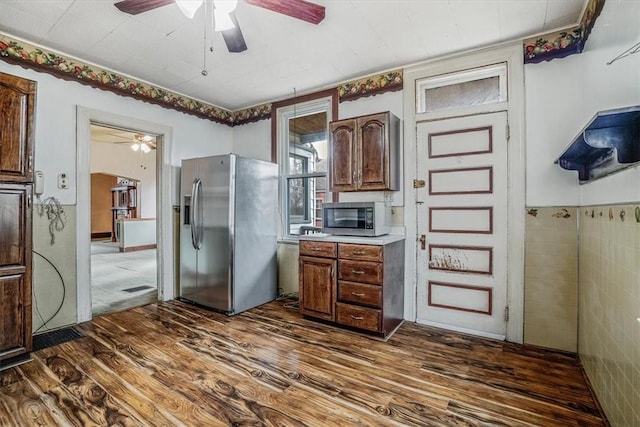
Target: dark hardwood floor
<point x="175" y="364"/>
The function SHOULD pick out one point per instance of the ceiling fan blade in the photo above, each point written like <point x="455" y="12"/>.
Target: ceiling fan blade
<point x="233" y="37"/>
<point x="300" y="9"/>
<point x="134" y="7"/>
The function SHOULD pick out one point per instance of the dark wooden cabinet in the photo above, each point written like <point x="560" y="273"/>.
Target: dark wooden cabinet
<point x="367" y="291"/>
<point x="15" y="271"/>
<point x="17" y="106"/>
<point x="317" y="278"/>
<point x="364" y="153"/>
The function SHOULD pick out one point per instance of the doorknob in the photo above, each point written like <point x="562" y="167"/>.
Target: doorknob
<point x="423" y="242"/>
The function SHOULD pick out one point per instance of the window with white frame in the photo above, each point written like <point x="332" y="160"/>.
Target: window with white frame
<point x="302" y="159"/>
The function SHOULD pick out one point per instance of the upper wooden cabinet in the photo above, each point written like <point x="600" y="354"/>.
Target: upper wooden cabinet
<point x="17" y="106"/>
<point x="364" y="153"/>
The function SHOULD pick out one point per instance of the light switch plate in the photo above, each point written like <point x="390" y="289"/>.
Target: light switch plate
<point x="63" y="181"/>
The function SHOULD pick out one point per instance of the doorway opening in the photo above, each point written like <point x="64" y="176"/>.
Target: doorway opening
<point x="123" y="219"/>
<point x="85" y="117"/>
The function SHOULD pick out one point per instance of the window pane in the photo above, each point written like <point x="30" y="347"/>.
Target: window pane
<point x="305" y="205"/>
<point x="479" y="86"/>
<point x="308" y="138"/>
<point x="298" y="200"/>
<point x="476" y="92"/>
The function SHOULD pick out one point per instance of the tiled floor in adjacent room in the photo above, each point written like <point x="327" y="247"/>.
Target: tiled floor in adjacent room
<point x="121" y="280"/>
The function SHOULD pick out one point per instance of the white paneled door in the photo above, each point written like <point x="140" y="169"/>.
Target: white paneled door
<point x="462" y="223"/>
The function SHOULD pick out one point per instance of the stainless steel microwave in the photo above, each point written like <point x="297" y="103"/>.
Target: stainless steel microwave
<point x="354" y="219"/>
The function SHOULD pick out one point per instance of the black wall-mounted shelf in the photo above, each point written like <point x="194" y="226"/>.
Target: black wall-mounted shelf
<point x="609" y="143"/>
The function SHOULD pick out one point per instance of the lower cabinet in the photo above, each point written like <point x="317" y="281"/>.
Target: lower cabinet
<point x="353" y="284"/>
<point x="15" y="273"/>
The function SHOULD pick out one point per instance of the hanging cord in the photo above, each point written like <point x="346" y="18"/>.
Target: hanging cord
<point x="290" y="300"/>
<point x="35" y="299"/>
<point x="204" y="71"/>
<point x="55" y="214"/>
<point x="633" y="49"/>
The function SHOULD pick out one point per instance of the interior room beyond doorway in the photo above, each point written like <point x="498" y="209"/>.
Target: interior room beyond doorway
<point x="123" y="219"/>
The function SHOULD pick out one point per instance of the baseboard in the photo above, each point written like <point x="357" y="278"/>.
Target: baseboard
<point x="138" y="248"/>
<point x="14" y="361"/>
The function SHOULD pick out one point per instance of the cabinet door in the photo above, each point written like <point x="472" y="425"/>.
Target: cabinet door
<point x="342" y="152"/>
<point x="15" y="270"/>
<point x="12" y="316"/>
<point x="317" y="287"/>
<point x="17" y="102"/>
<point x="373" y="153"/>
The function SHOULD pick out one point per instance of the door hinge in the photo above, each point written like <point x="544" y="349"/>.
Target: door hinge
<point x="506" y="314"/>
<point x="418" y="183"/>
<point x="508" y="132"/>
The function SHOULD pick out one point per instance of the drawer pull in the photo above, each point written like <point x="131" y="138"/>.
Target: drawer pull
<point x="356" y="317"/>
<point x="358" y="252"/>
<point x="357" y="271"/>
<point x="316" y="249"/>
<point x="357" y="294"/>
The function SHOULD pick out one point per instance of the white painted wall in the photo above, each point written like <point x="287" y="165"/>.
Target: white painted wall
<point x="121" y="160"/>
<point x="253" y="140"/>
<point x="564" y="94"/>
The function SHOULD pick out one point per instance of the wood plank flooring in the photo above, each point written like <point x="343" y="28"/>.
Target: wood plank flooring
<point x="175" y="364"/>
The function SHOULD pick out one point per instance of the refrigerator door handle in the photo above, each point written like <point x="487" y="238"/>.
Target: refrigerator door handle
<point x="200" y="220"/>
<point x="195" y="204"/>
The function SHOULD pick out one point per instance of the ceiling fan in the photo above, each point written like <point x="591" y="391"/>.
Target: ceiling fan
<point x="299" y="9"/>
<point x="139" y="142"/>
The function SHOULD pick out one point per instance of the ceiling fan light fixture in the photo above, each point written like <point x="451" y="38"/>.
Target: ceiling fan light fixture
<point x="222" y="20"/>
<point x="145" y="148"/>
<point x="226" y="6"/>
<point x="135" y="146"/>
<point x="189" y="7"/>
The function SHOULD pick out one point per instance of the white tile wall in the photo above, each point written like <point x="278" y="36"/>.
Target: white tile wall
<point x="609" y="333"/>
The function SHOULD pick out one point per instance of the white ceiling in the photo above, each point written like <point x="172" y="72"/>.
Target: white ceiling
<point x="356" y="38"/>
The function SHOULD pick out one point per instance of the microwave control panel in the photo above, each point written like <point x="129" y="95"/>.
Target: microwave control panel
<point x="368" y="219"/>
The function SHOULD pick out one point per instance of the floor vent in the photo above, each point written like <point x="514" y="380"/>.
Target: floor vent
<point x="49" y="339"/>
<point x="137" y="288"/>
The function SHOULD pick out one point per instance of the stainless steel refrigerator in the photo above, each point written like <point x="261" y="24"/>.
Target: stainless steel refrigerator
<point x="228" y="232"/>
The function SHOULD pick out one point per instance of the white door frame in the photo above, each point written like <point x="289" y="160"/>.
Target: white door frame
<point x="164" y="227"/>
<point x="512" y="54"/>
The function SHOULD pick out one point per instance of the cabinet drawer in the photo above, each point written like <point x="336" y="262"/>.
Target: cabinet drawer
<point x="358" y="317"/>
<point x="360" y="252"/>
<point x="360" y="271"/>
<point x="313" y="248"/>
<point x="360" y="293"/>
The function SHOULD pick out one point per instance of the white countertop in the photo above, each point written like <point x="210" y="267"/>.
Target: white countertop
<point x="379" y="240"/>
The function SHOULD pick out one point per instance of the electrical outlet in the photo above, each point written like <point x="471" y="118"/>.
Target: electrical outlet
<point x="63" y="181"/>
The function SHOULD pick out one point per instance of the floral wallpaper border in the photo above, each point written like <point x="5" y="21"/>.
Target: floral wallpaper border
<point x="30" y="56"/>
<point x="563" y="43"/>
<point x="371" y="85"/>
